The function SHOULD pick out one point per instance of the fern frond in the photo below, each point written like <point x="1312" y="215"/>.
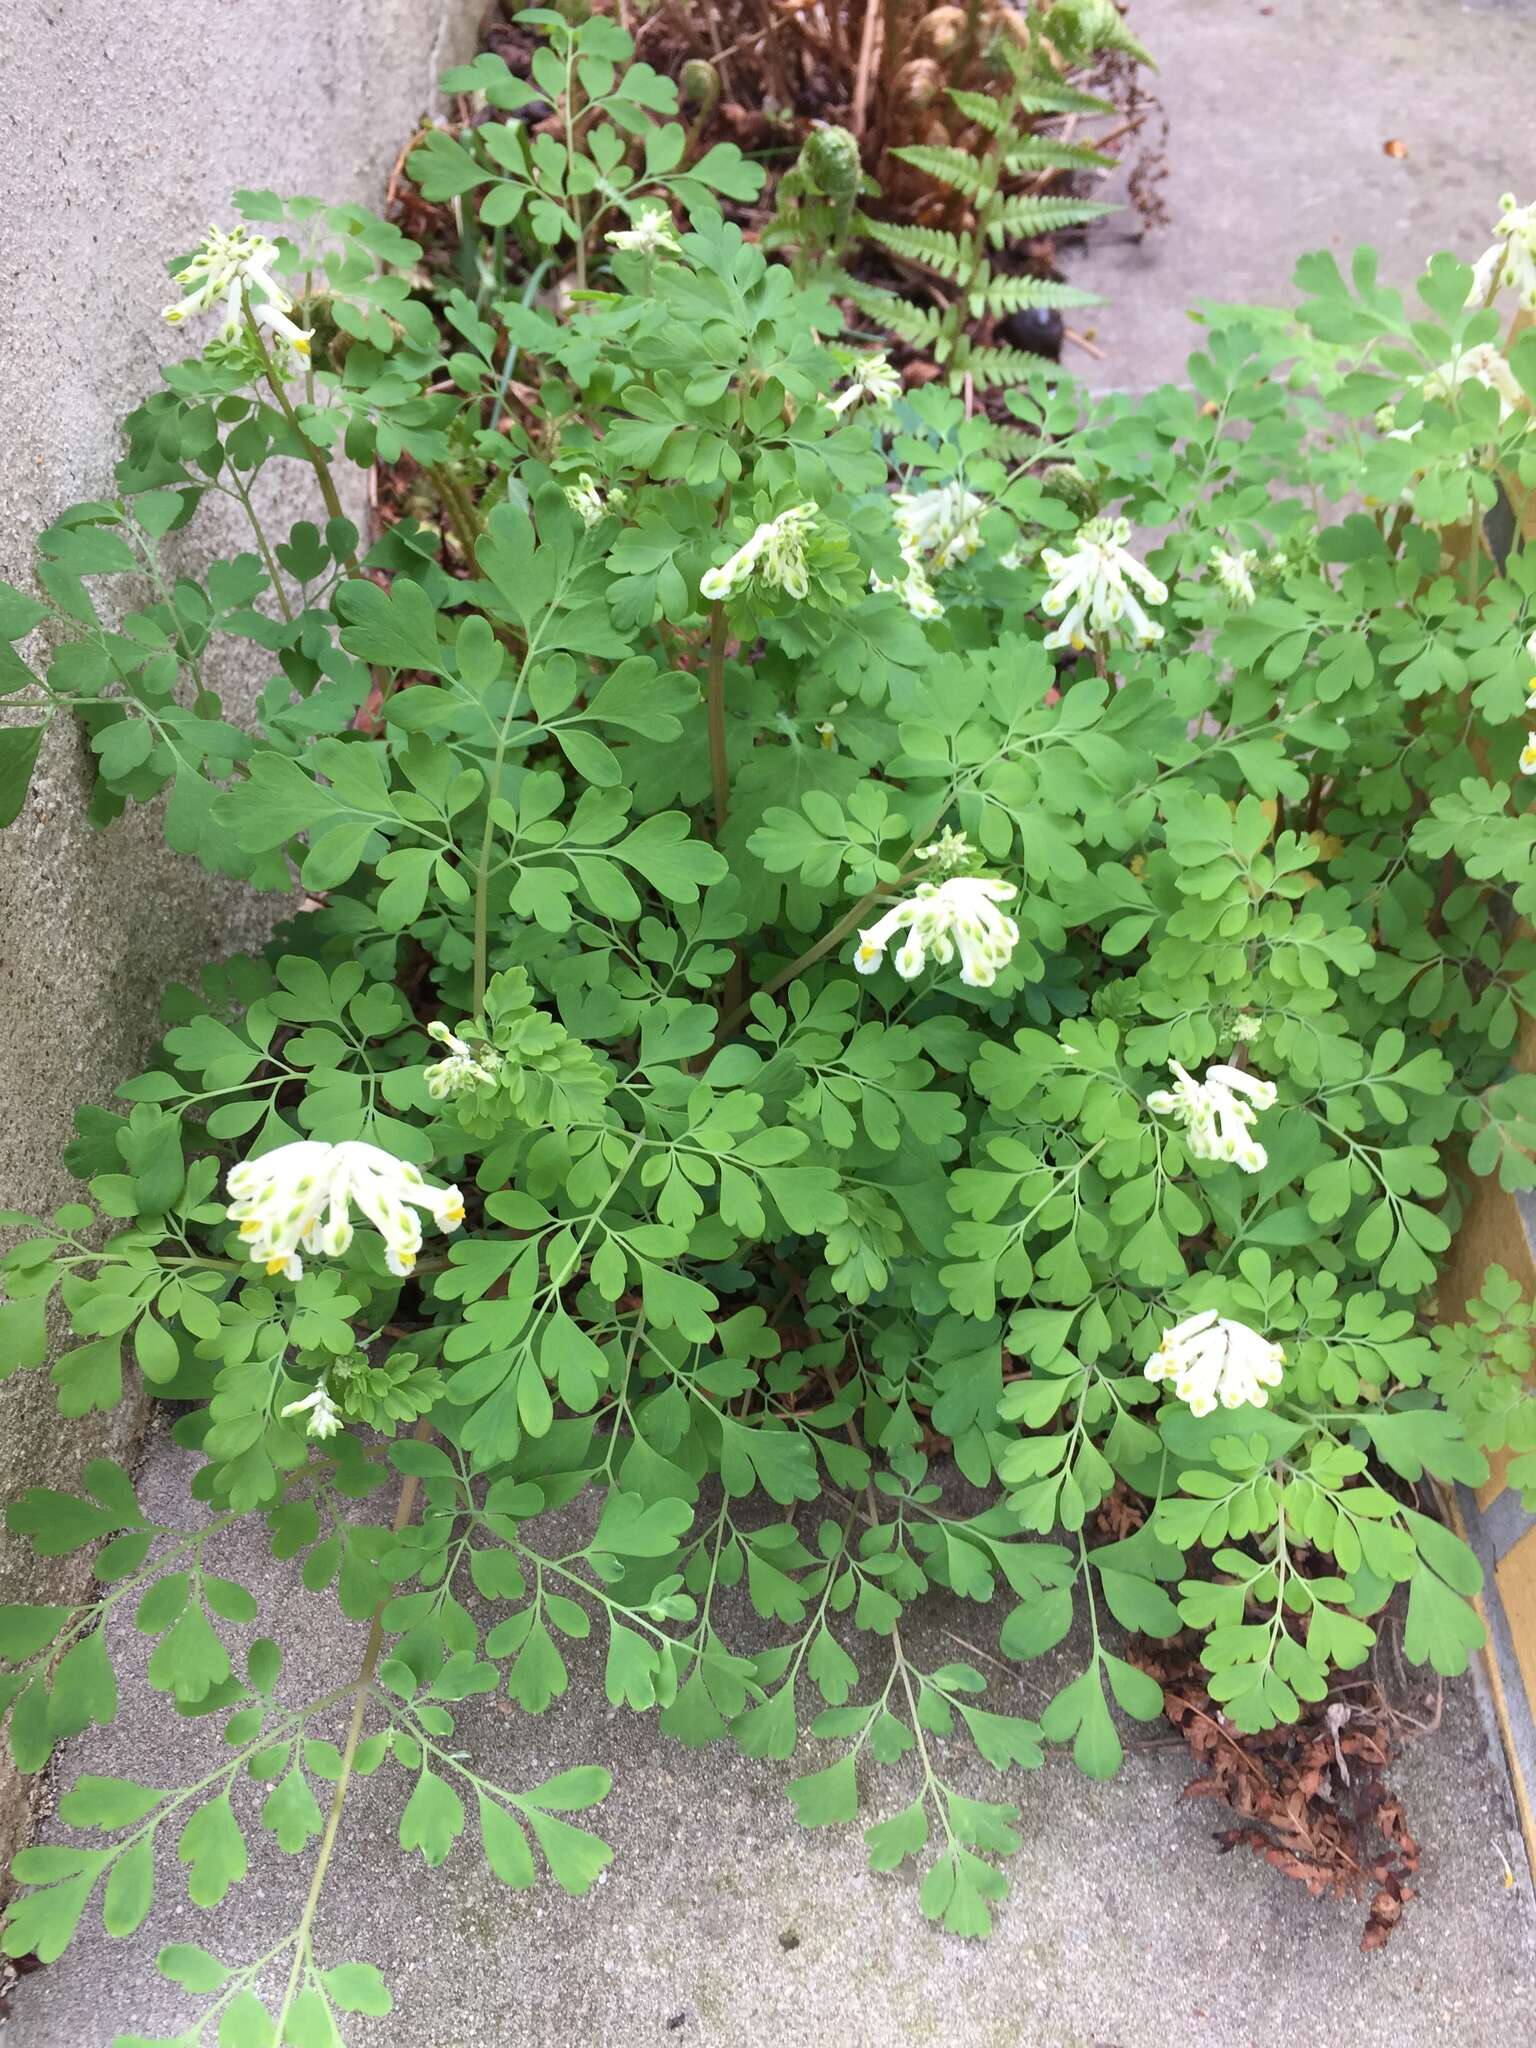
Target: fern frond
<point x="934" y="249"/>
<point x="999" y="295"/>
<point x="1082" y="28"/>
<point x="1008" y="439"/>
<point x="920" y="326"/>
<point x="996" y="116"/>
<point x="968" y="174"/>
<point x="1040" y="155"/>
<point x="1046" y="96"/>
<point x="1000" y="365"/>
<point x="1020" y="218"/>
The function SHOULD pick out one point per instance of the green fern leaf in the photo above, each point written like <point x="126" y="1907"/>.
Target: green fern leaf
<point x="999" y="295"/>
<point x="1046" y="96"/>
<point x="1019" y="218"/>
<point x="998" y="365"/>
<point x="1081" y="28"/>
<point x="1038" y="154"/>
<point x="920" y="326"/>
<point x="933" y="248"/>
<point x="996" y="116"/>
<point x="968" y="174"/>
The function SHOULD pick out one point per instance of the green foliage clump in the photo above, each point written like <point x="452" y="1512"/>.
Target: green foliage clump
<point x="813" y="831"/>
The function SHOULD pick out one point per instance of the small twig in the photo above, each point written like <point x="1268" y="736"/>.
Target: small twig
<point x="874" y="14"/>
<point x="1081" y="341"/>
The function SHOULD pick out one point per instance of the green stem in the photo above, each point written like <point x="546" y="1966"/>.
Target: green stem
<point x="261" y="541"/>
<point x="317" y="461"/>
<point x="371" y="1653"/>
<point x="719" y="764"/>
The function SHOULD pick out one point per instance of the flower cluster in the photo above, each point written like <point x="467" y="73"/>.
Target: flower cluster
<point x="950" y="851"/>
<point x="1511" y="260"/>
<point x="299" y="1196"/>
<point x="1091" y="588"/>
<point x="960" y="916"/>
<point x="1212" y="1360"/>
<point x="324" y="1415"/>
<point x="942" y="524"/>
<point x="1218" y="1113"/>
<point x="938" y="527"/>
<point x="776" y="553"/>
<point x="1234" y="573"/>
<point x="873" y="378"/>
<point x="1487" y="365"/>
<point x="236" y="267"/>
<point x="649" y="234"/>
<point x="467" y="1066"/>
<point x="586" y="499"/>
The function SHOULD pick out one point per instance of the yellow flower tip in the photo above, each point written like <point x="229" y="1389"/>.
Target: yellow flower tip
<point x="276" y="1266"/>
<point x="454" y="1213"/>
<point x="301" y="345"/>
<point x="250" y="1227"/>
<point x="1078" y="642"/>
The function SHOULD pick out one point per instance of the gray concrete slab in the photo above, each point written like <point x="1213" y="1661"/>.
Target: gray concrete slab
<point x="722" y="1923"/>
<point x="1277" y="117"/>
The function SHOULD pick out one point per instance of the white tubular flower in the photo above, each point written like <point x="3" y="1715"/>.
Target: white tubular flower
<point x="951" y="850"/>
<point x="938" y="527"/>
<point x="872" y="377"/>
<point x="942" y="524"/>
<point x="944" y="918"/>
<point x="586" y="499"/>
<point x="1217" y="1113"/>
<point x="275" y="322"/>
<point x="827" y="732"/>
<point x="1511" y="261"/>
<point x="1528" y="755"/>
<point x="467" y="1066"/>
<point x="1091" y="586"/>
<point x="648" y="234"/>
<point x="324" y="1415"/>
<point x="1486" y="365"/>
<point x="776" y="552"/>
<point x="235" y="267"/>
<point x="1234" y="572"/>
<point x="299" y="1196"/>
<point x="1212" y="1360"/>
<point x="913" y="587"/>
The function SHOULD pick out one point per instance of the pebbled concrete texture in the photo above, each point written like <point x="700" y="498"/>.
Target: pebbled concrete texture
<point x="1277" y="117"/>
<point x="724" y="1924"/>
<point x="124" y="131"/>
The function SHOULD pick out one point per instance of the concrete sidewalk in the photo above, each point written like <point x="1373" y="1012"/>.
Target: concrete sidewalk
<point x="724" y="1924"/>
<point x="1277" y="117"/>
